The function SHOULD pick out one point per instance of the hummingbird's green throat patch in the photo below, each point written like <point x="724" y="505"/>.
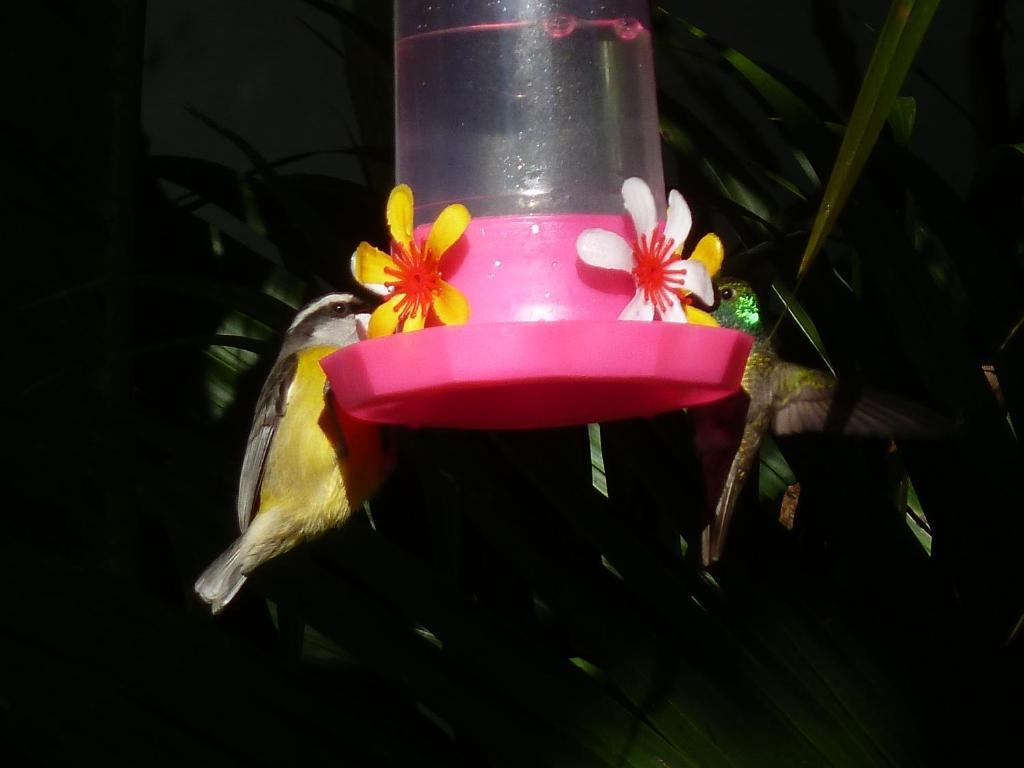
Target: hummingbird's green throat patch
<point x="747" y="312"/>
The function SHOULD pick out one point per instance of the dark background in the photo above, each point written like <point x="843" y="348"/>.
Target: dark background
<point x="242" y="60"/>
<point x="498" y="610"/>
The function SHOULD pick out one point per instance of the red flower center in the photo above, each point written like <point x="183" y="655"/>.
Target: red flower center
<point x="656" y="273"/>
<point x="417" y="277"/>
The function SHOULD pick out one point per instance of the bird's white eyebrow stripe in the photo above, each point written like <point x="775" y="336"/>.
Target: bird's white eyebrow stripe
<point x="316" y="306"/>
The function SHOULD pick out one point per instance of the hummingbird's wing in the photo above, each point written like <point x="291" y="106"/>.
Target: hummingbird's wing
<point x="270" y="408"/>
<point x="803" y="399"/>
<point x="808" y="400"/>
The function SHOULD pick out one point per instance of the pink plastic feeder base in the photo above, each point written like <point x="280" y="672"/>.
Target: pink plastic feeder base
<point x="543" y="346"/>
<point x="528" y="375"/>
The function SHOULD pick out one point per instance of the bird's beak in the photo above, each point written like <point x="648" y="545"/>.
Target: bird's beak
<point x="362" y="325"/>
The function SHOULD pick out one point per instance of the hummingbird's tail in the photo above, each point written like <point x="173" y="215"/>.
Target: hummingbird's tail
<point x="713" y="536"/>
<point x="223" y="578"/>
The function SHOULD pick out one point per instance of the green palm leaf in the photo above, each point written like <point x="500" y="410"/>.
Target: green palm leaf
<point x="898" y="42"/>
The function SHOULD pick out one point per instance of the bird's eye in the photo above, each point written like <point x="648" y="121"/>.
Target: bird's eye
<point x="727" y="293"/>
<point x="341" y="309"/>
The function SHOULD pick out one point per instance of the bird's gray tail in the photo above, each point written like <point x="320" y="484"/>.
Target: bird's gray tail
<point x="222" y="580"/>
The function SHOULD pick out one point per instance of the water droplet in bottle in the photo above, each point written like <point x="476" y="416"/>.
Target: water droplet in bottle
<point x="628" y="28"/>
<point x="560" y="25"/>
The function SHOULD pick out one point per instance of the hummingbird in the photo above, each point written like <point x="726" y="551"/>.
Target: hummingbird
<point x="783" y="398"/>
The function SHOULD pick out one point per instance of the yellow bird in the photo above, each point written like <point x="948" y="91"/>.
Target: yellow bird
<point x="306" y="467"/>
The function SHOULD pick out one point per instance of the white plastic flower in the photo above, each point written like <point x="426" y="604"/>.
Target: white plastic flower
<point x="664" y="280"/>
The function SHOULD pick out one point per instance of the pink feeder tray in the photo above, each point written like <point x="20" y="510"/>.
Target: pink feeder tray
<point x="542" y="348"/>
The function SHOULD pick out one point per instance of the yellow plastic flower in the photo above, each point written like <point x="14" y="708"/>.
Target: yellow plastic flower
<point x="709" y="252"/>
<point x="411" y="278"/>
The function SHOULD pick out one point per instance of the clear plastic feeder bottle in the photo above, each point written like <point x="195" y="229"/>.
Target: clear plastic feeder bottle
<point x="525" y="106"/>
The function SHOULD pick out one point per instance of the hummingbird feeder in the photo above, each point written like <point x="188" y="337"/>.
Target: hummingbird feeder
<point x="532" y="114"/>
